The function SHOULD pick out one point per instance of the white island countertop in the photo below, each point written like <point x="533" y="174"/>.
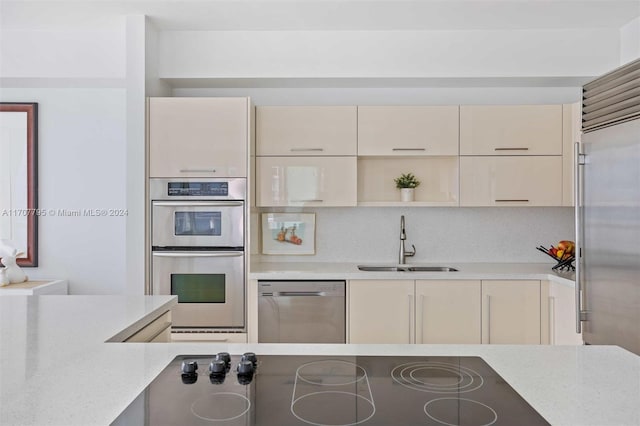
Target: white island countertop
<point x="56" y="369"/>
<point x="350" y="271"/>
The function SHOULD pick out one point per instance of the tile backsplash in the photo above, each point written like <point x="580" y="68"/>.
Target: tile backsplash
<point x="495" y="234"/>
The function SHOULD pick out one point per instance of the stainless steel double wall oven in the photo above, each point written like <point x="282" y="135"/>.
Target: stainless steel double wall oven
<point x="198" y="240"/>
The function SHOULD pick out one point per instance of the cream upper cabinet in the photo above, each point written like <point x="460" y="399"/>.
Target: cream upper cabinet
<point x="381" y="311"/>
<point x="407" y="130"/>
<point x="511" y="181"/>
<point x="306" y="130"/>
<point x="306" y="181"/>
<point x="511" y="312"/>
<point x="559" y="314"/>
<point x="198" y="137"/>
<point x="448" y="311"/>
<point x="511" y="130"/>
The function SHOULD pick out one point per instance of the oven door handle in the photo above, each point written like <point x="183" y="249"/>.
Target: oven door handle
<point x="198" y="254"/>
<point x="198" y="203"/>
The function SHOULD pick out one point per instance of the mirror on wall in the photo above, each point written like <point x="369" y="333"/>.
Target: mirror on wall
<point x="18" y="179"/>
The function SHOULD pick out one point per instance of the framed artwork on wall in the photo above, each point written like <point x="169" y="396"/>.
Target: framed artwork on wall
<point x="289" y="233"/>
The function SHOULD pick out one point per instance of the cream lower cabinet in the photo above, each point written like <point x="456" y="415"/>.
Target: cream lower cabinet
<point x="381" y="311"/>
<point x="403" y="311"/>
<point x="448" y="311"/>
<point x="511" y="312"/>
<point x="559" y="314"/>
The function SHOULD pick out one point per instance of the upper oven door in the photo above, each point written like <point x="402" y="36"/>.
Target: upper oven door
<point x="198" y="224"/>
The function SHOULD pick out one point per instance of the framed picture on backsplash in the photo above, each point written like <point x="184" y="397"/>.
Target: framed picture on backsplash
<point x="289" y="233"/>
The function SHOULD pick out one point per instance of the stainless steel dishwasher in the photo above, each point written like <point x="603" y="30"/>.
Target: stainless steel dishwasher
<point x="301" y="312"/>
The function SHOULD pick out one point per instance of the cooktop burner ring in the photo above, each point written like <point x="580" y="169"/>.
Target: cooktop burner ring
<point x="358" y="375"/>
<point x="405" y="375"/>
<point x="206" y="402"/>
<point x="312" y="394"/>
<point x="436" y="400"/>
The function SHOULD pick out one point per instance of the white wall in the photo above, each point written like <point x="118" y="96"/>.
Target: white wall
<point x="81" y="157"/>
<point x="89" y="84"/>
<point x="630" y="41"/>
<point x="405" y="54"/>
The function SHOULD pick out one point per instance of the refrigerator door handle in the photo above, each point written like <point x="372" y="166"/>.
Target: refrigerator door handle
<point x="577" y="197"/>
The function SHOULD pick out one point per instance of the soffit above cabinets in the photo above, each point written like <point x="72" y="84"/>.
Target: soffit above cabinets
<point x="327" y="15"/>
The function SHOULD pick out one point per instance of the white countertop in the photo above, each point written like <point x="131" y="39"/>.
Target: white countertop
<point x="466" y="271"/>
<point x="55" y="368"/>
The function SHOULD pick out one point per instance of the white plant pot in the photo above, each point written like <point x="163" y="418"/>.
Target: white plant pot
<point x="406" y="194"/>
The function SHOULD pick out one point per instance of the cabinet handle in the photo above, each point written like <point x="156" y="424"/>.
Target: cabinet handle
<point x="307" y="149"/>
<point x="511" y="149"/>
<point x="488" y="319"/>
<point x="422" y="318"/>
<point x="552" y="320"/>
<point x="578" y="161"/>
<point x="410" y="300"/>
<point x="306" y="201"/>
<point x="408" y="149"/>
<point x="505" y="200"/>
<point x="197" y="170"/>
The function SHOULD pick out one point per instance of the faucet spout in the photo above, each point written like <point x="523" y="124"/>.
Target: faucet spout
<point x="402" y="256"/>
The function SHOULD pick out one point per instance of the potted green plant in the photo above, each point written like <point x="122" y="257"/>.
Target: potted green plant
<point x="407" y="183"/>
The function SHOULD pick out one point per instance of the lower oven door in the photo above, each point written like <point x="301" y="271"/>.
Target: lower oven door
<point x="209" y="285"/>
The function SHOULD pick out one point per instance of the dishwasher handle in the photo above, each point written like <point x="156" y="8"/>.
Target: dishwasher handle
<point x="297" y="293"/>
<point x="301" y="288"/>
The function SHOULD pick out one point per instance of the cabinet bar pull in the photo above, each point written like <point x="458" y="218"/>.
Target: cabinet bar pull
<point x="306" y="201"/>
<point x="488" y="319"/>
<point x="408" y="149"/>
<point x="578" y="161"/>
<point x="307" y="149"/>
<point x="511" y="201"/>
<point x="511" y="149"/>
<point x="197" y="170"/>
<point x="422" y="318"/>
<point x="552" y="320"/>
<point x="410" y="300"/>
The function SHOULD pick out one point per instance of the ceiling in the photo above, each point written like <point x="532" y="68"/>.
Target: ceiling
<point x="318" y="15"/>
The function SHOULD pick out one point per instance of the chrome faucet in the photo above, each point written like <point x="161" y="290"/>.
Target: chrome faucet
<point x="402" y="258"/>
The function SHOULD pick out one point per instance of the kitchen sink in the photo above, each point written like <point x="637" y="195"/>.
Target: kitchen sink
<point x="407" y="268"/>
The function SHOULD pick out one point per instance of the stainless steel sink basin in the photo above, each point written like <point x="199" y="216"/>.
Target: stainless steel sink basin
<point x="374" y="268"/>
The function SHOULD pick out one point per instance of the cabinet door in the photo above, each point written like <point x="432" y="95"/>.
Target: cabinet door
<point x="306" y="130"/>
<point x="511" y="181"/>
<point x="407" y="130"/>
<point x="306" y="181"/>
<point x="381" y="311"/>
<point x="198" y="137"/>
<point x="559" y="315"/>
<point x="511" y="130"/>
<point x="448" y="311"/>
<point x="511" y="312"/>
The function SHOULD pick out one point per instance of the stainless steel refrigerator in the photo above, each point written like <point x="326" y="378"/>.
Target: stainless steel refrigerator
<point x="608" y="210"/>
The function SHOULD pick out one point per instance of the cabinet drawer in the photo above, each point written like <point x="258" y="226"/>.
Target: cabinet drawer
<point x="153" y="330"/>
<point x="306" y="181"/>
<point x="511" y="181"/>
<point x="306" y="130"/>
<point x="511" y="130"/>
<point x="407" y="130"/>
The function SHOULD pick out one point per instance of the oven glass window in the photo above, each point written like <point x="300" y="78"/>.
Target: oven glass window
<point x="198" y="288"/>
<point x="198" y="223"/>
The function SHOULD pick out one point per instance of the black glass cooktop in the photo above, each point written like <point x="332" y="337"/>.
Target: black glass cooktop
<point x="337" y="391"/>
